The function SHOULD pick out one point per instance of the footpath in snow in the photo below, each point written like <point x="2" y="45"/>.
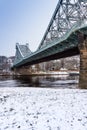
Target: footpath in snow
<point x="43" y="109"/>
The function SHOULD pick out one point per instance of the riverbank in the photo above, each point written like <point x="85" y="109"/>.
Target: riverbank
<point x="43" y="109"/>
<point x="60" y="72"/>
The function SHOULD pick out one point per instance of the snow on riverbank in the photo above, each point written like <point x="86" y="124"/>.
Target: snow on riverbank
<point x="43" y="109"/>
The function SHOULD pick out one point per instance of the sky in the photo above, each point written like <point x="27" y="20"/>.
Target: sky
<point x="23" y="21"/>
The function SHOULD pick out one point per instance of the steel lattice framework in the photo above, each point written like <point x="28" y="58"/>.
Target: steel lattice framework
<point x="63" y="36"/>
<point x="66" y="14"/>
<point x="21" y="52"/>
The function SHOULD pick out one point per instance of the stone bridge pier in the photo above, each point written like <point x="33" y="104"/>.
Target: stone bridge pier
<point x="23" y="70"/>
<point x="83" y="62"/>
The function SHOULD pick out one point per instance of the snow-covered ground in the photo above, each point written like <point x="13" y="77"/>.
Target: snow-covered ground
<point x="43" y="109"/>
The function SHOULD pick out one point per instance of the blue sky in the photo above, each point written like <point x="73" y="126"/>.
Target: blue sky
<point x="23" y="21"/>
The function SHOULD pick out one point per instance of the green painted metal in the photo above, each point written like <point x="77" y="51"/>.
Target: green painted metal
<point x="61" y="36"/>
<point x="58" y="45"/>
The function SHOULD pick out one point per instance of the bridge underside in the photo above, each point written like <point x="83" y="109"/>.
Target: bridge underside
<point x="69" y="52"/>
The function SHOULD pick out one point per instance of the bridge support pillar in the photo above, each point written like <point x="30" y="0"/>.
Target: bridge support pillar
<point x="23" y="71"/>
<point x="83" y="64"/>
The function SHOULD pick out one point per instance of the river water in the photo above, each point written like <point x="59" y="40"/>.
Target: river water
<point x="46" y="81"/>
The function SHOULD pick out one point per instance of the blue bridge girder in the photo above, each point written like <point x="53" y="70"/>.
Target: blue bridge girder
<point x="61" y="39"/>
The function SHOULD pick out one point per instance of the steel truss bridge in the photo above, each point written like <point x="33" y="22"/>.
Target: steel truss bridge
<point x="66" y="31"/>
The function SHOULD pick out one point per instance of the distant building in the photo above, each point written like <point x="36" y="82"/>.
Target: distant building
<point x="6" y="63"/>
<point x="10" y="61"/>
<point x="3" y="59"/>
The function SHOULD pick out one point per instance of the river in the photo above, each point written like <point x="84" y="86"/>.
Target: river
<point x="45" y="81"/>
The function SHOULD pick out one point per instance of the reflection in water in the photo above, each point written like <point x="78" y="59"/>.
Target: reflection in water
<point x="51" y="81"/>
